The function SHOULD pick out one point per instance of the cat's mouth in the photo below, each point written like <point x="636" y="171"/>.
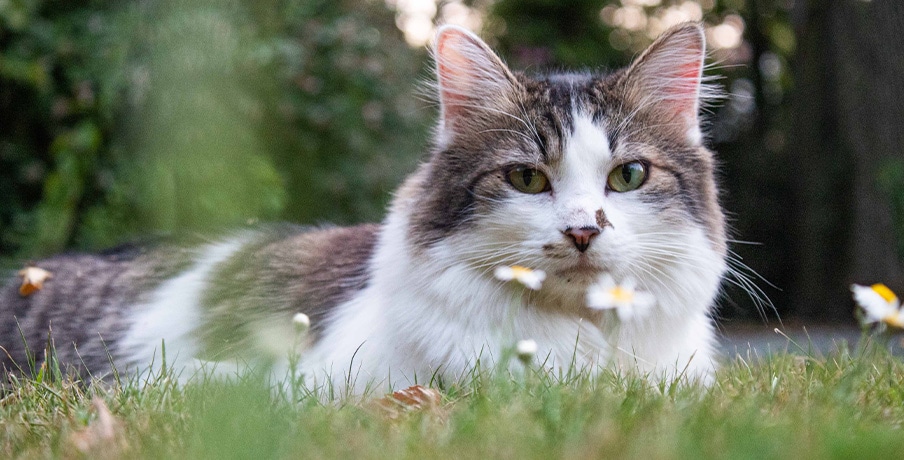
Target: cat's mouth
<point x="582" y="270"/>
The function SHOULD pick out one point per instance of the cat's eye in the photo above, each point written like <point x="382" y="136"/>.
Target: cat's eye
<point x="528" y="180"/>
<point x="627" y="177"/>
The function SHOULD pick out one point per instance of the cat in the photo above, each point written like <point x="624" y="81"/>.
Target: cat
<point x="580" y="175"/>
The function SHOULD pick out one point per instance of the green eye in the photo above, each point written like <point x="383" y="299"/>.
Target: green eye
<point x="528" y="180"/>
<point x="627" y="177"/>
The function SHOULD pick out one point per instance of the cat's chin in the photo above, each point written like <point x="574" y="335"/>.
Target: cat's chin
<point x="583" y="271"/>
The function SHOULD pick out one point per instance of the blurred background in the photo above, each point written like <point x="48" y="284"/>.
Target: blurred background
<point x="124" y="120"/>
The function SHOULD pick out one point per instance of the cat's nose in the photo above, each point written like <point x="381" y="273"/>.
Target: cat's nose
<point x="582" y="236"/>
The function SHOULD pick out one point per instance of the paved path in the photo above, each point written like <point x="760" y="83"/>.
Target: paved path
<point x="762" y="339"/>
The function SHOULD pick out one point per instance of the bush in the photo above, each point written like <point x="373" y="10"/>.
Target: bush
<point x="126" y="119"/>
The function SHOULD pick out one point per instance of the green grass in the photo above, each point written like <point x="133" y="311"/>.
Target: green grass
<point x="848" y="404"/>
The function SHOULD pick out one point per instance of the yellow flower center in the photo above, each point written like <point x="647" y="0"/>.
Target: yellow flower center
<point x="895" y="320"/>
<point x="520" y="271"/>
<point x="884" y="292"/>
<point x="620" y="294"/>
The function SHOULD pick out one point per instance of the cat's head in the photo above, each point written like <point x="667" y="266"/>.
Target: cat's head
<point x="578" y="174"/>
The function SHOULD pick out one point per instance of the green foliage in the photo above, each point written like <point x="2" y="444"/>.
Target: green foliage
<point x="54" y="124"/>
<point x="541" y="32"/>
<point x="357" y="129"/>
<point x="134" y="118"/>
<point x="193" y="153"/>
<point x="844" y="405"/>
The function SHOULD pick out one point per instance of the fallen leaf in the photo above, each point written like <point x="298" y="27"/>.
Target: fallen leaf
<point x="101" y="434"/>
<point x="412" y="399"/>
<point x="33" y="280"/>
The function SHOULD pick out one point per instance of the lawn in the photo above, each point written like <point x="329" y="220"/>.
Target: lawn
<point x="846" y="404"/>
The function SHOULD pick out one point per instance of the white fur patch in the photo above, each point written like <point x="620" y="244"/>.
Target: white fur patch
<point x="172" y="314"/>
<point x="588" y="143"/>
<point x="580" y="188"/>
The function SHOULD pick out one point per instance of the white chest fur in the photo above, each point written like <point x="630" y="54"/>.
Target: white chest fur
<point x="419" y="320"/>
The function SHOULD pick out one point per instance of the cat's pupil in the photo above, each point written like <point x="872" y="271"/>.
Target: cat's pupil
<point x="626" y="173"/>
<point x="527" y="176"/>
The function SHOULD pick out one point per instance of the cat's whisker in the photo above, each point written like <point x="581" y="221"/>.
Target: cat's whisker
<point x="532" y="126"/>
<point x="736" y="273"/>
<point x="737" y="260"/>
<point x="503" y="130"/>
<point x="646" y="267"/>
<point x="669" y="288"/>
<point x="752" y="243"/>
<point x="644" y="103"/>
<point x="496" y="111"/>
<point x="494" y="262"/>
<point x="757" y="296"/>
<point x="741" y="275"/>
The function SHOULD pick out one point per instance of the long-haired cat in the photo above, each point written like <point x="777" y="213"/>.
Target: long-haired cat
<point x="579" y="175"/>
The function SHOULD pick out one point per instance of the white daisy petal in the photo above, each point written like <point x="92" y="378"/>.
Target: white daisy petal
<point x="504" y="273"/>
<point x="628" y="302"/>
<point x="532" y="279"/>
<point x="878" y="304"/>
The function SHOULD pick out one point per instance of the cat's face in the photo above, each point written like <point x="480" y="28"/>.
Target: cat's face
<point x="574" y="174"/>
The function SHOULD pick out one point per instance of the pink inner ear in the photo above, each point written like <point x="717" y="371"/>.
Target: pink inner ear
<point x="689" y="71"/>
<point x="670" y="73"/>
<point x="452" y="72"/>
<point x="454" y="75"/>
<point x="684" y="98"/>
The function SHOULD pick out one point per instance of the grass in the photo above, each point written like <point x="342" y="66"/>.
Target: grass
<point x="847" y="404"/>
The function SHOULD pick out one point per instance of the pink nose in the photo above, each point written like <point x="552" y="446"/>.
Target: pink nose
<point x="582" y="236"/>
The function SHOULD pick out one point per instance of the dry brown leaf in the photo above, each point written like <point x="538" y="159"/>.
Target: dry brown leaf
<point x="412" y="399"/>
<point x="101" y="435"/>
<point x="33" y="280"/>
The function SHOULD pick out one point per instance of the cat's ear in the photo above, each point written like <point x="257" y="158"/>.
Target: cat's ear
<point x="470" y="77"/>
<point x="668" y="78"/>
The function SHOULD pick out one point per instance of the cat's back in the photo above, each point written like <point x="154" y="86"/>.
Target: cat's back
<point x="290" y="270"/>
<point x="116" y="304"/>
<point x="78" y="301"/>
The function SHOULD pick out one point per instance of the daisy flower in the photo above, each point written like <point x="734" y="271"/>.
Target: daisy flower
<point x="879" y="304"/>
<point x="301" y="322"/>
<point x="526" y="349"/>
<point x="627" y="301"/>
<point x="533" y="279"/>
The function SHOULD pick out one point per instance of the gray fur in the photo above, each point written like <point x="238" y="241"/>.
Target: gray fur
<point x="285" y="271"/>
<point x="83" y="308"/>
<point x="91" y="299"/>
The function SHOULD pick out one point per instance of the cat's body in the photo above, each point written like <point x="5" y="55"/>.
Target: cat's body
<point x="521" y="174"/>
